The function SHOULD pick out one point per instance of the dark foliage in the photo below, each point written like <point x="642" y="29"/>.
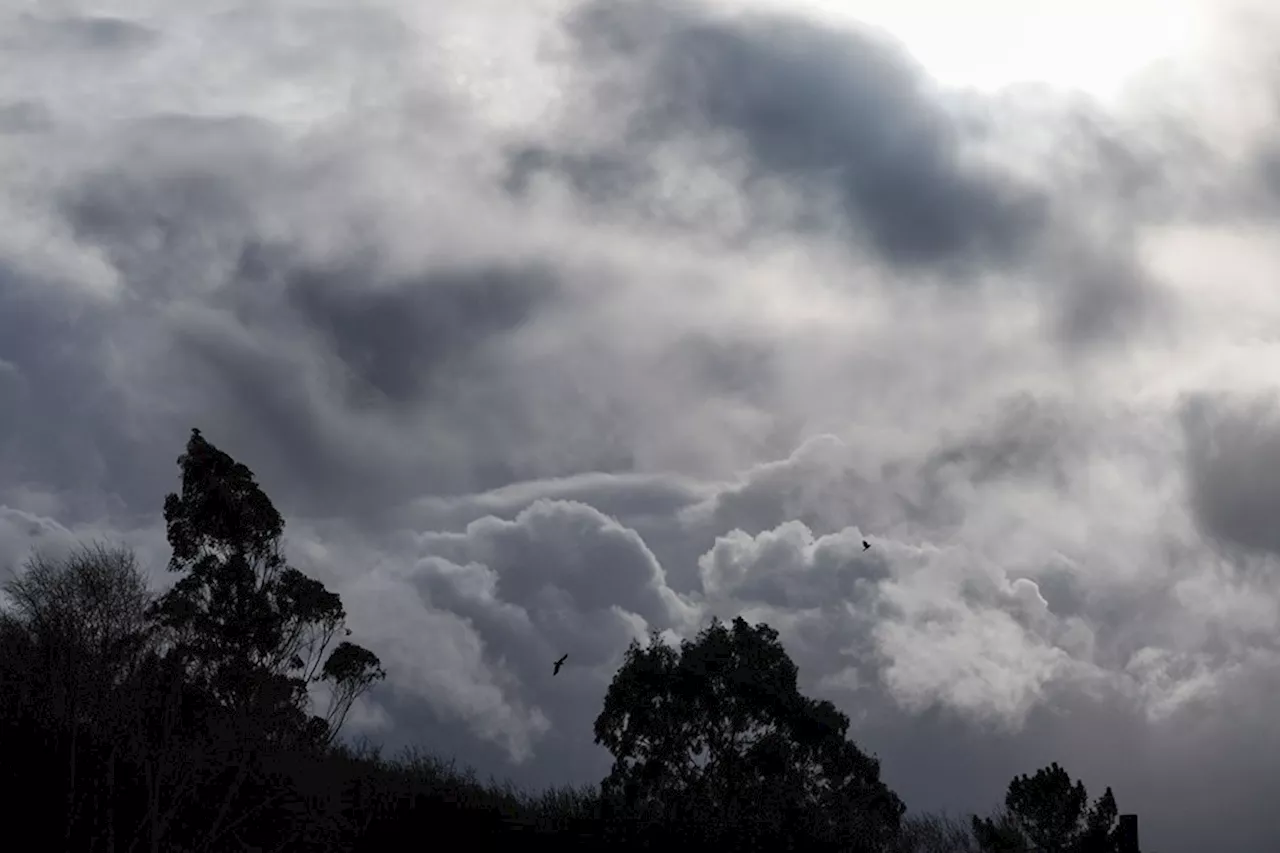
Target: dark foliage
<point x="182" y="723"/>
<point x="1048" y="812"/>
<point x="251" y="630"/>
<point x="714" y="739"/>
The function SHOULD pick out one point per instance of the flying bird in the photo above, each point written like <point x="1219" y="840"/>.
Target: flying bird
<point x="865" y="544"/>
<point x="559" y="664"/>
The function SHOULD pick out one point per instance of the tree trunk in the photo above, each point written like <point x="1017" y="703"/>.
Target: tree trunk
<point x="71" y="788"/>
<point x="111" y="800"/>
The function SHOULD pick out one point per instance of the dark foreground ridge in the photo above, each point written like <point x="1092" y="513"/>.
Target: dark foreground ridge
<point x="131" y="721"/>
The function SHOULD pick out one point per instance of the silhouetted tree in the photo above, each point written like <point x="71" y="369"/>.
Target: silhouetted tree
<point x="180" y="724"/>
<point x="252" y="630"/>
<point x="75" y="635"/>
<point x="715" y="739"/>
<point x="1049" y="813"/>
<point x="84" y="616"/>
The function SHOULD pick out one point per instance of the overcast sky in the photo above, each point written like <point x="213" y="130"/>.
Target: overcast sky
<point x="547" y="323"/>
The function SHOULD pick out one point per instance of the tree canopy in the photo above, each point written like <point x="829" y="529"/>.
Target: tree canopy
<point x="251" y="628"/>
<point x="716" y="737"/>
<point x="1049" y="812"/>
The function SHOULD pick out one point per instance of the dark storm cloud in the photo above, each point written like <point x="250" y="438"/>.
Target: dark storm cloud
<point x="1107" y="294"/>
<point x="381" y="347"/>
<point x="1233" y="468"/>
<point x="291" y="353"/>
<point x="601" y="178"/>
<point x="189" y="204"/>
<point x="178" y="198"/>
<point x="401" y="338"/>
<point x="173" y="202"/>
<point x="1023" y="440"/>
<point x="23" y="117"/>
<point x="753" y="126"/>
<point x="53" y="396"/>
<point x="735" y="367"/>
<point x="21" y="532"/>
<point x="832" y="111"/>
<point x="77" y="34"/>
<point x="1254" y="192"/>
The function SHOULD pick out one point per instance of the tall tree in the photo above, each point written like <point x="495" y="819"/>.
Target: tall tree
<point x="1048" y="812"/>
<point x="251" y="629"/>
<point x="718" y="732"/>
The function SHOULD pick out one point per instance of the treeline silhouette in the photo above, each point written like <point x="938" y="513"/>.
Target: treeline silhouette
<point x="207" y="718"/>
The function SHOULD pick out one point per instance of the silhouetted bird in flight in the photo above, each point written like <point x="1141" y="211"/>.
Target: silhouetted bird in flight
<point x="865" y="544"/>
<point x="559" y="664"/>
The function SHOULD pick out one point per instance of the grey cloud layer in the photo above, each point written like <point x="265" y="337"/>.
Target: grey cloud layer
<point x="838" y="133"/>
<point x="739" y="293"/>
<point x="837" y="112"/>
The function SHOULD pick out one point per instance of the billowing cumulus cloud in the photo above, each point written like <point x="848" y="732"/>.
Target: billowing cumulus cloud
<point x="547" y="328"/>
